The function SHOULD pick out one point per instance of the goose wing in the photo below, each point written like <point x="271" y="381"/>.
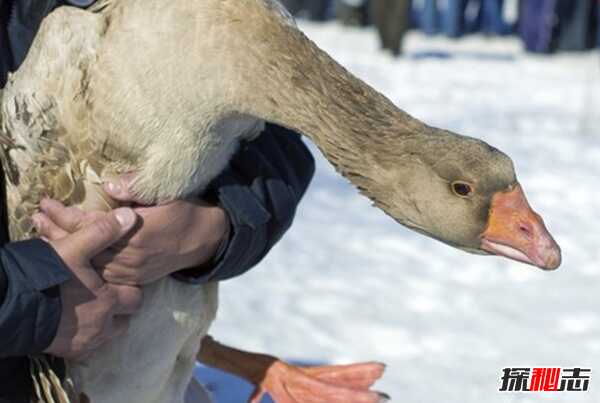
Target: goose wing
<point x="48" y="147"/>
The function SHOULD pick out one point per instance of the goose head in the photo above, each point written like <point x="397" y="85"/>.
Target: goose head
<point x="463" y="192"/>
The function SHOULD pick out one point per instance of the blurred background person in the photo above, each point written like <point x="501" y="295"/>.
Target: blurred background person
<point x="547" y="26"/>
<point x="598" y="23"/>
<point x="392" y="19"/>
<point x="536" y="23"/>
<point x="315" y="10"/>
<point x="489" y="18"/>
<point x="352" y="12"/>
<point x="458" y="17"/>
<point x="462" y="17"/>
<point x="428" y="16"/>
<point x="544" y="26"/>
<point x="454" y="18"/>
<point x="576" y="24"/>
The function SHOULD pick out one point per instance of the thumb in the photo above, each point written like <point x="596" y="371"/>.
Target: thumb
<point x="119" y="188"/>
<point x="100" y="234"/>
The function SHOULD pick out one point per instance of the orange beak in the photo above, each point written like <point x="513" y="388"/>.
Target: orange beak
<point x="515" y="231"/>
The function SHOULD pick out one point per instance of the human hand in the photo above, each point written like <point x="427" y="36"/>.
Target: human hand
<point x="93" y="311"/>
<point x="168" y="238"/>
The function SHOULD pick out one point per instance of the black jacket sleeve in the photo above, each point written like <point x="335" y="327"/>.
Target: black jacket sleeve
<point x="30" y="301"/>
<point x="260" y="191"/>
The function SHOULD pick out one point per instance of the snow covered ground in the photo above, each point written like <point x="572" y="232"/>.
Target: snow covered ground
<point x="348" y="284"/>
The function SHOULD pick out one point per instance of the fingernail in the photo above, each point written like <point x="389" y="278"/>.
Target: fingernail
<point x="112" y="187"/>
<point x="125" y="216"/>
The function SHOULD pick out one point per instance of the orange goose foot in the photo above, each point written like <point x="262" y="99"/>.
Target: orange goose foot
<point x="286" y="383"/>
<point x="326" y="384"/>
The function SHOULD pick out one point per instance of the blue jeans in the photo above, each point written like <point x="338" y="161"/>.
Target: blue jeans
<point x="492" y="21"/>
<point x="454" y="18"/>
<point x="598" y="25"/>
<point x="536" y="19"/>
<point x="430" y="17"/>
<point x="489" y="18"/>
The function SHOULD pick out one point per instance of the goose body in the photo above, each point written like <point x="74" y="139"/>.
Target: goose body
<point x="58" y="148"/>
<point x="168" y="90"/>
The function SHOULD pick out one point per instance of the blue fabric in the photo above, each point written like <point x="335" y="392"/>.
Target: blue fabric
<point x="25" y="19"/>
<point x="492" y="21"/>
<point x="30" y="310"/>
<point x="80" y="3"/>
<point x="224" y="387"/>
<point x="454" y="18"/>
<point x="536" y="24"/>
<point x="429" y="20"/>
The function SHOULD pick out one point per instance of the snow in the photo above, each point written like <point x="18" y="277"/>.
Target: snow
<point x="348" y="284"/>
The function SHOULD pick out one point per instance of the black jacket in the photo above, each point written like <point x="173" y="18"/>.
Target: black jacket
<point x="259" y="190"/>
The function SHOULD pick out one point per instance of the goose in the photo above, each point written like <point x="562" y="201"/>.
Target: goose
<point x="167" y="90"/>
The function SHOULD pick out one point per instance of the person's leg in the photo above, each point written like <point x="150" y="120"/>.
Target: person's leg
<point x="293" y="6"/>
<point x="453" y="18"/>
<point x="493" y="20"/>
<point x="377" y="12"/>
<point x="473" y="16"/>
<point x="598" y="24"/>
<point x="524" y="24"/>
<point x="535" y="24"/>
<point x="398" y="24"/>
<point x="575" y="24"/>
<point x="347" y="14"/>
<point x="429" y="17"/>
<point x="317" y="9"/>
<point x="390" y="23"/>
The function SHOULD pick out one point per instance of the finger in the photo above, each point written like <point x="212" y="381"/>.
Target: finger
<point x="357" y="376"/>
<point x="46" y="228"/>
<point x="123" y="254"/>
<point x="108" y="256"/>
<point x="115" y="274"/>
<point x="129" y="299"/>
<point x="120" y="188"/>
<point x="69" y="219"/>
<point x="100" y="234"/>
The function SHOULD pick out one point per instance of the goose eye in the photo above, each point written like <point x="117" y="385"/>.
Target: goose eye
<point x="462" y="189"/>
